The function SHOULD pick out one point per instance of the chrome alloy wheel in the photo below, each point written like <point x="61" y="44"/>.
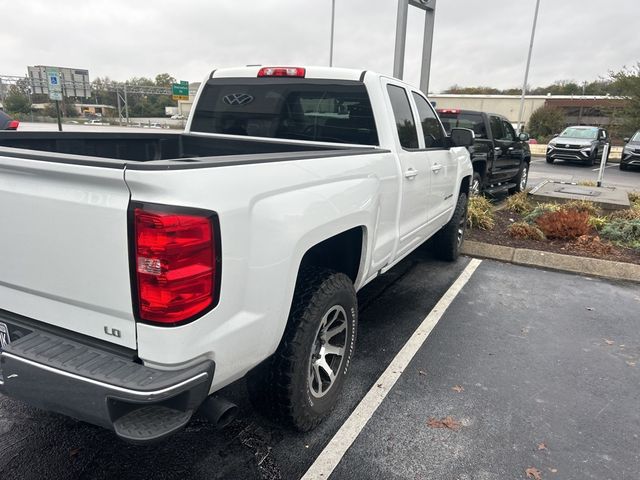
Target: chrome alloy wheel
<point x="475" y="187"/>
<point x="328" y="351"/>
<point x="523" y="177"/>
<point x="461" y="226"/>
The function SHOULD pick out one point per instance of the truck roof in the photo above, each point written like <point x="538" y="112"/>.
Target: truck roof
<point x="329" y="73"/>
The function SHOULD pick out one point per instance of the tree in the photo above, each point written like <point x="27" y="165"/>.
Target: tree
<point x="627" y="82"/>
<point x="164" y="80"/>
<point x="17" y="101"/>
<point x="546" y="121"/>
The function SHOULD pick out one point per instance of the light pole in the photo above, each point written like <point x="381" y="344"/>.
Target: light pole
<point x="526" y="70"/>
<point x="333" y="21"/>
<point x="429" y="7"/>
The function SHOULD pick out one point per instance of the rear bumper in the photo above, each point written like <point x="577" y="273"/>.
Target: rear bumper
<point x="95" y="385"/>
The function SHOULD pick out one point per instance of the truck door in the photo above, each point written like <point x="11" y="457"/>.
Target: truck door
<point x="505" y="166"/>
<point x="443" y="164"/>
<point x="415" y="171"/>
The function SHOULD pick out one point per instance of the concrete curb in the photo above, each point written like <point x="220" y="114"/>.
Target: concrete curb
<point x="554" y="261"/>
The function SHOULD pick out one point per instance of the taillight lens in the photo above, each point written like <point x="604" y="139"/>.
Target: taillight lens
<point x="175" y="262"/>
<point x="13" y="125"/>
<point x="282" y="72"/>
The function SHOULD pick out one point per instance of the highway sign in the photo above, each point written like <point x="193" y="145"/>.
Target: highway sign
<point x="180" y="91"/>
<point x="55" y="84"/>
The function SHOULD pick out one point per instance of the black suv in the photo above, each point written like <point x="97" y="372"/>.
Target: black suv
<point x="631" y="152"/>
<point x="578" y="144"/>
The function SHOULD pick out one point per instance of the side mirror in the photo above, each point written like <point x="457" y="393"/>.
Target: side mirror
<point x="462" y="137"/>
<point x="626" y="139"/>
<point x="524" y="137"/>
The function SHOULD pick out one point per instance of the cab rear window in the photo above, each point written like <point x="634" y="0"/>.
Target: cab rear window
<point x="472" y="121"/>
<point x="287" y="108"/>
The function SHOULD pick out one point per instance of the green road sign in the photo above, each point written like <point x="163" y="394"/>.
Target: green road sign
<point x="180" y="91"/>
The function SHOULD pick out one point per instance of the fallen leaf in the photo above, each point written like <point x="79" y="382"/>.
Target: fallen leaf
<point x="73" y="452"/>
<point x="379" y="385"/>
<point x="422" y="372"/>
<point x="458" y="388"/>
<point x="589" y="308"/>
<point x="631" y="364"/>
<point x="609" y="342"/>
<point x="447" y="422"/>
<point x="542" y="446"/>
<point x="533" y="473"/>
<point x="553" y="470"/>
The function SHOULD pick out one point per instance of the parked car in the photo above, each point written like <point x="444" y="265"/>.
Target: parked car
<point x="177" y="116"/>
<point x="8" y="123"/>
<point x="581" y="144"/>
<point x="96" y="121"/>
<point x="631" y="152"/>
<point x="500" y="156"/>
<point x="153" y="269"/>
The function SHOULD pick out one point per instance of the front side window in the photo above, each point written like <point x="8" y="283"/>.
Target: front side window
<point x="431" y="129"/>
<point x="287" y="108"/>
<point x="509" y="132"/>
<point x="497" y="128"/>
<point x="404" y="118"/>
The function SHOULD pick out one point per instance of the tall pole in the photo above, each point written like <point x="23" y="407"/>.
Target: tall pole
<point x="333" y="21"/>
<point x="526" y="71"/>
<point x="427" y="45"/>
<point x="401" y="38"/>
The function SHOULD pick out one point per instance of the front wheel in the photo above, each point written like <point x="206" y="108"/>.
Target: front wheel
<point x="550" y="160"/>
<point x="521" y="180"/>
<point x="448" y="240"/>
<point x="592" y="158"/>
<point x="476" y="184"/>
<point x="301" y="383"/>
<point x="623" y="166"/>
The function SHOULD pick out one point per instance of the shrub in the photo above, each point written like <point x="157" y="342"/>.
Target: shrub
<point x="597" y="222"/>
<point x="480" y="213"/>
<point x="541" y="209"/>
<point x="525" y="231"/>
<point x="623" y="232"/>
<point x="581" y="206"/>
<point x="587" y="183"/>
<point x="564" y="224"/>
<point x="546" y="121"/>
<point x="626" y="214"/>
<point x="519" y="203"/>
<point x="634" y="199"/>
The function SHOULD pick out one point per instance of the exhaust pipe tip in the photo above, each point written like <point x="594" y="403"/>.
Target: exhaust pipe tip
<point x="219" y="412"/>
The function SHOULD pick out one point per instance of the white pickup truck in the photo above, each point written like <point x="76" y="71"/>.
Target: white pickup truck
<point x="142" y="272"/>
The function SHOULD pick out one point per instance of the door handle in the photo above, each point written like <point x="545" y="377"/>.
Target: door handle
<point x="436" y="168"/>
<point x="411" y="173"/>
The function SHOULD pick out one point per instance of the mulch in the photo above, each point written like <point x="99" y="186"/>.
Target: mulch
<point x="499" y="236"/>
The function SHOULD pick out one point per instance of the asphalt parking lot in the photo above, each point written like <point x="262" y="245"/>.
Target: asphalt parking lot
<point x="575" y="172"/>
<point x="545" y="365"/>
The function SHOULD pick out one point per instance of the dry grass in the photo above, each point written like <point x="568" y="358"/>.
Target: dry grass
<point x="480" y="213"/>
<point x="520" y="203"/>
<point x="525" y="231"/>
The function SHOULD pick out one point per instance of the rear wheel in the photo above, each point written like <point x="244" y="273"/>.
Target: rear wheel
<point x="448" y="240"/>
<point x="300" y="384"/>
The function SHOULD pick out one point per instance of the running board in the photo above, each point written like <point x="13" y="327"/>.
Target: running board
<point x="499" y="188"/>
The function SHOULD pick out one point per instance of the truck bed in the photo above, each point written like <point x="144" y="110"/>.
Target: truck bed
<point x="144" y="147"/>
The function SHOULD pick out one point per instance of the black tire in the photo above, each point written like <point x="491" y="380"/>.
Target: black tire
<point x="623" y="166"/>
<point x="521" y="179"/>
<point x="448" y="240"/>
<point x="549" y="160"/>
<point x="476" y="180"/>
<point x="282" y="387"/>
<point x="592" y="158"/>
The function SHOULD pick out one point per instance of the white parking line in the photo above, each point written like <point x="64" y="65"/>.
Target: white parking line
<point x="596" y="169"/>
<point x="342" y="440"/>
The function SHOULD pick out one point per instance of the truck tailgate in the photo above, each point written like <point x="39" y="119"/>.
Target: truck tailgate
<point x="63" y="247"/>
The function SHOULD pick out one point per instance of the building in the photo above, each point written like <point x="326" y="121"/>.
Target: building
<point x="578" y="109"/>
<point x="75" y="81"/>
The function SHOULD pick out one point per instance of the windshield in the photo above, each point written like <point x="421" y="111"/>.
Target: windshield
<point x="588" y="133"/>
<point x="288" y="108"/>
<point x="636" y="137"/>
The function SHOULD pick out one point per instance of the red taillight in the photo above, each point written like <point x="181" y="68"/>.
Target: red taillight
<point x="175" y="262"/>
<point x="448" y="110"/>
<point x="13" y="125"/>
<point x="281" y="72"/>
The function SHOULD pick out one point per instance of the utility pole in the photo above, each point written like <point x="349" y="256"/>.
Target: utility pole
<point x="526" y="71"/>
<point x="333" y="21"/>
<point x="401" y="38"/>
<point x="427" y="45"/>
<point x="584" y="86"/>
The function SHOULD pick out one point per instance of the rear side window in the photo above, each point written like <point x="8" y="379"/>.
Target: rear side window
<point x="431" y="129"/>
<point x="287" y="108"/>
<point x="496" y="128"/>
<point x="404" y="118"/>
<point x="472" y="121"/>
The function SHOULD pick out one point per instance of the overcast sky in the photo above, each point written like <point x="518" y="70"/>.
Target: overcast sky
<point x="476" y="42"/>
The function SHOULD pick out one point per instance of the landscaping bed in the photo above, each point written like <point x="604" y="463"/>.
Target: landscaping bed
<point x="575" y="228"/>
